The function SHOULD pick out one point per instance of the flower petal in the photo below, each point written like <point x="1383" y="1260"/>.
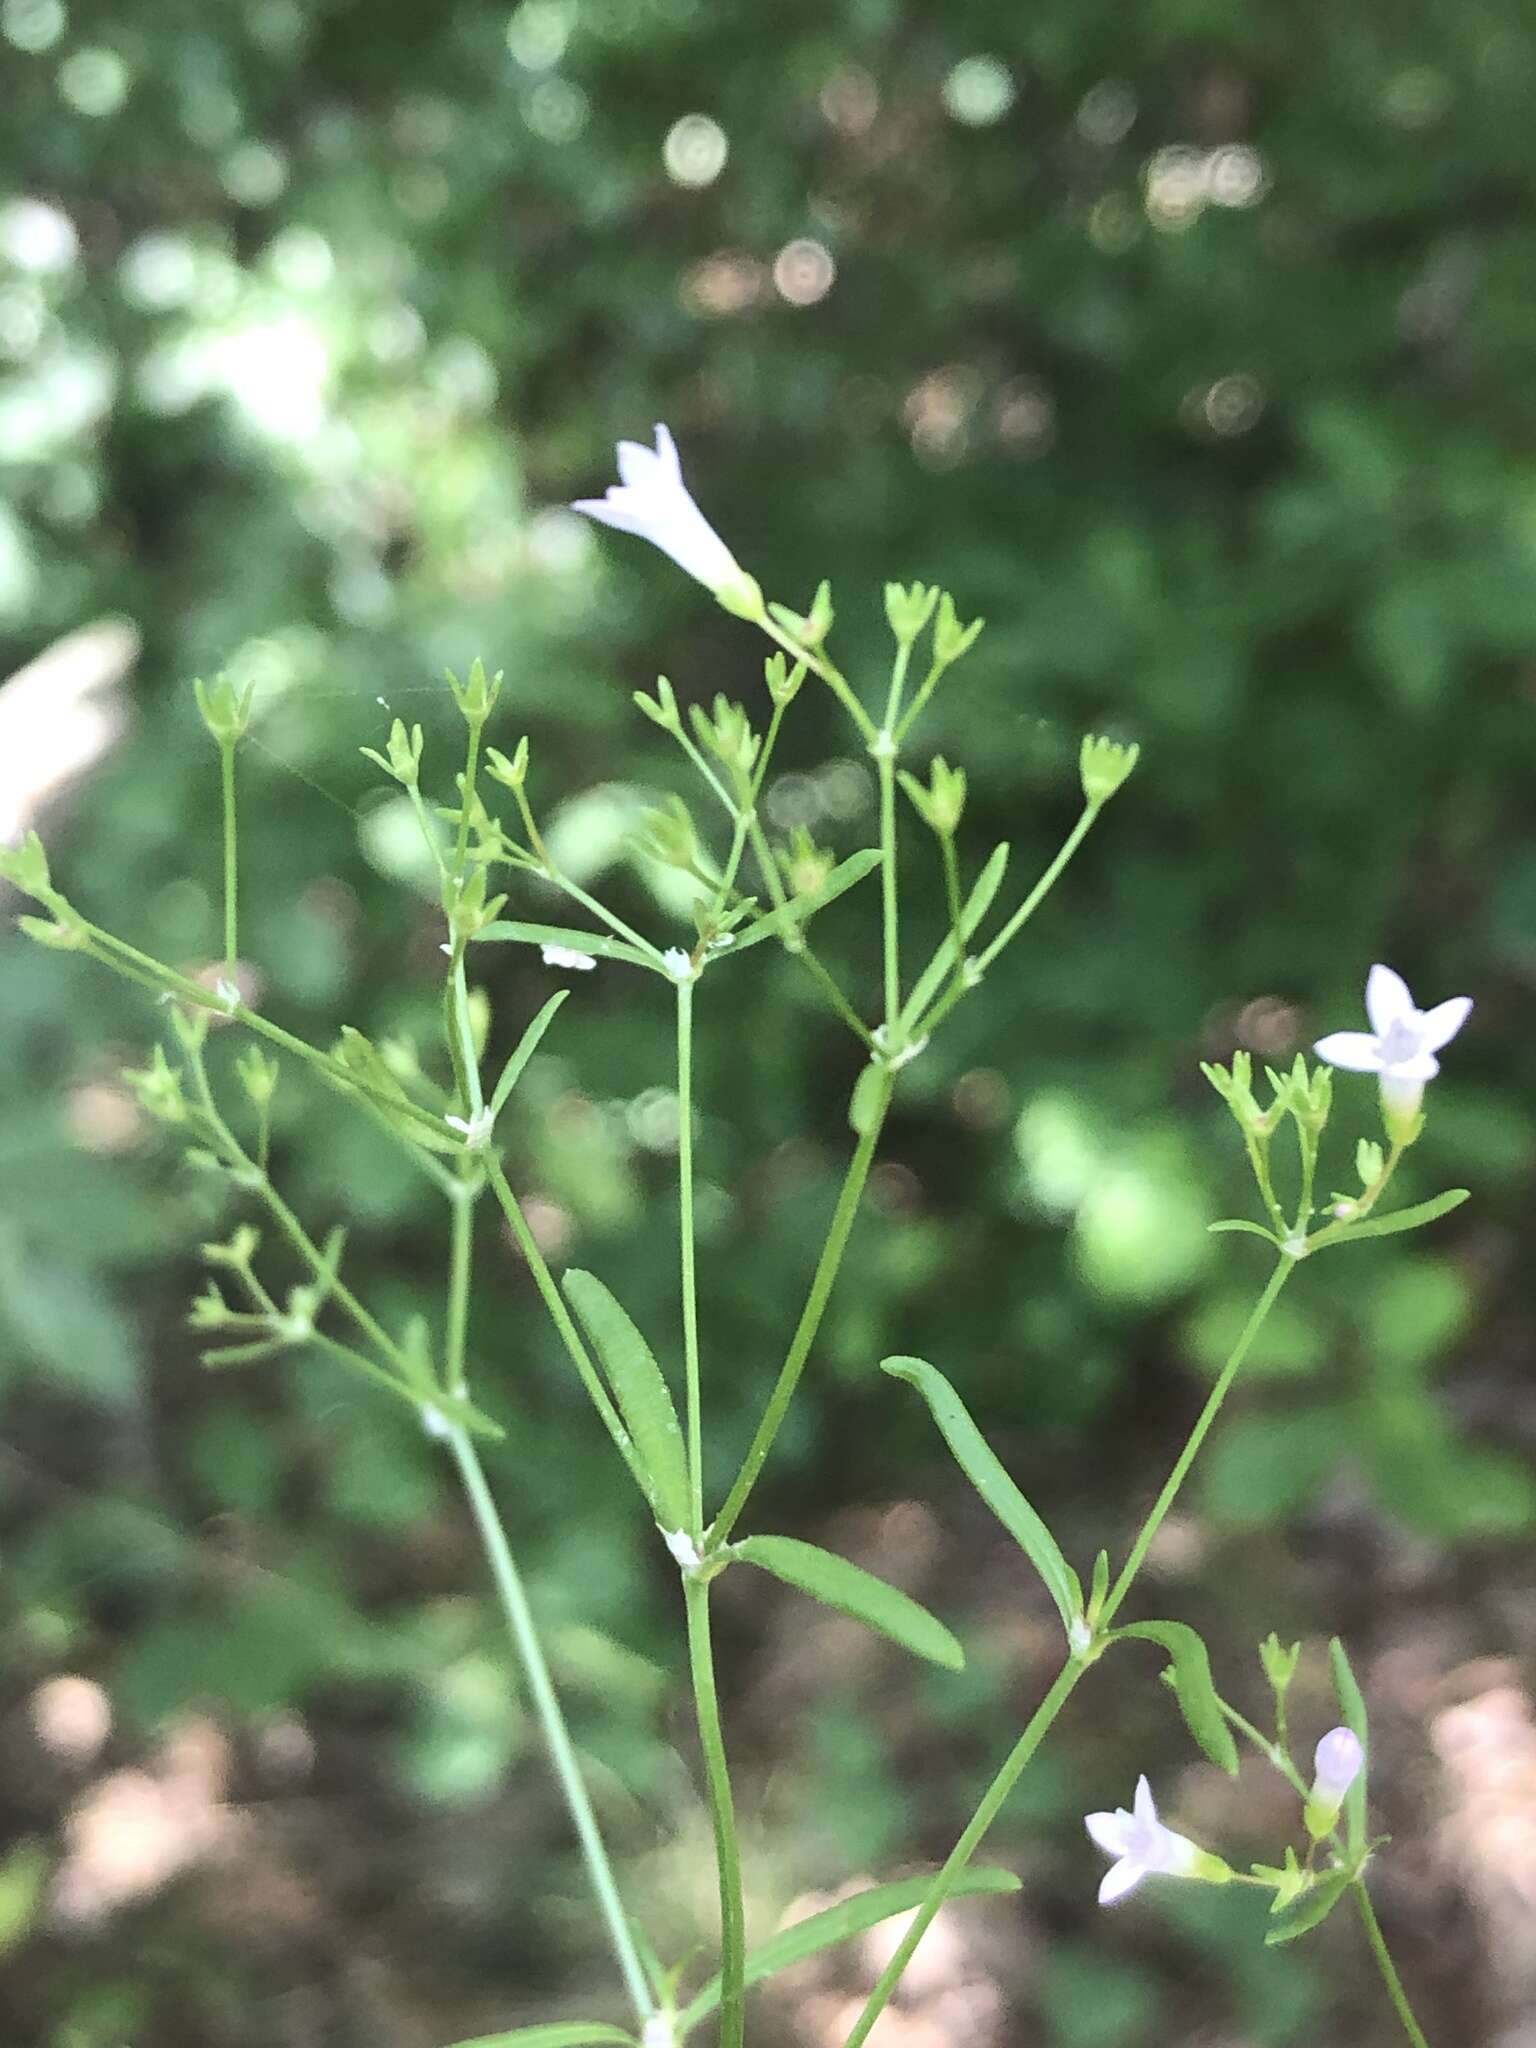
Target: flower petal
<point x="1145" y="1808"/>
<point x="1440" y="1025"/>
<point x="639" y="467"/>
<point x="1118" y="1880"/>
<point x="666" y="453"/>
<point x="616" y="510"/>
<point x="1386" y="998"/>
<point x="1356" y="1050"/>
<point x="1418" y="1067"/>
<point x="1108" y="1831"/>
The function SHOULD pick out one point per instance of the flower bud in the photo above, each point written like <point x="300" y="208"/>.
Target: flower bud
<point x="1369" y="1161"/>
<point x="26" y="866"/>
<point x="782" y="680"/>
<point x="727" y="735"/>
<point x="402" y="759"/>
<point x="1279" y="1663"/>
<point x="950" y="638"/>
<point x="476" y="697"/>
<point x="510" y="774"/>
<point x="237" y="1252"/>
<point x="662" y="708"/>
<point x="806" y="865"/>
<point x="1337" y="1763"/>
<point x="909" y="609"/>
<point x="61" y="934"/>
<point x="816" y="624"/>
<point x="1104" y="765"/>
<point x="226" y="710"/>
<point x="258" y="1075"/>
<point x="158" y="1088"/>
<point x="942" y="803"/>
<point x="669" y="835"/>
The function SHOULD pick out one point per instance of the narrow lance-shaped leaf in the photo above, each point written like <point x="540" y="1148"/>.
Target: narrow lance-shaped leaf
<point x="598" y="944"/>
<point x="1310" y="1910"/>
<point x="848" y="1587"/>
<point x="825" y="1930"/>
<point x="1352" y="1703"/>
<point x="524" y="1051"/>
<point x="562" y="2034"/>
<point x="1404" y="1219"/>
<point x="1192" y="1684"/>
<point x="984" y="1470"/>
<point x="800" y="908"/>
<point x="644" y="1399"/>
<point x="1242" y="1223"/>
<point x="947" y="956"/>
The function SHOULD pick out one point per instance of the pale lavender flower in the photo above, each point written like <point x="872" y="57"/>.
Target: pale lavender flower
<point x="1401" y="1043"/>
<point x="567" y="956"/>
<point x="1337" y="1762"/>
<point x="1142" y="1846"/>
<point x="652" y="500"/>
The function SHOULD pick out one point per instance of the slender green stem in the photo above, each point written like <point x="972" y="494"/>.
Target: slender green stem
<point x="1071" y="1672"/>
<point x="1258" y="1159"/>
<point x="1274" y="1753"/>
<point x="690" y="1290"/>
<point x="890" y="913"/>
<point x="822" y="1282"/>
<point x="560" y="1316"/>
<point x="144" y="969"/>
<point x="467" y="795"/>
<point x="509" y="1587"/>
<point x="1386" y="1966"/>
<point x="1042" y="888"/>
<point x="794" y="940"/>
<point x="822" y="665"/>
<point x="231" y="862"/>
<point x="461" y="1223"/>
<point x="972" y="971"/>
<point x="1367" y="1202"/>
<point x="733" y="1934"/>
<point x="1196" y="1438"/>
<point x="993" y="1799"/>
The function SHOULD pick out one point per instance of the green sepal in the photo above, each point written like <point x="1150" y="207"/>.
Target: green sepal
<point x="853" y="1591"/>
<point x="836" y="1924"/>
<point x="643" y="1397"/>
<point x="1310" y="1910"/>
<point x="983" y="1468"/>
<point x="1195" y="1689"/>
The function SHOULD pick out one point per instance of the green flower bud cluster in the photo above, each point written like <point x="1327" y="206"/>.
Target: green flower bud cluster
<point x="225" y="708"/>
<point x="942" y="803"/>
<point x="1104" y="766"/>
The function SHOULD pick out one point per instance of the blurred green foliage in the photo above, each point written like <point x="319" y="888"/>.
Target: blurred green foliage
<point x="1190" y="346"/>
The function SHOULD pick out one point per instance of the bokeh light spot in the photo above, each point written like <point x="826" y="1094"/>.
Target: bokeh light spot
<point x="803" y="272"/>
<point x="94" y="81"/>
<point x="695" y="150"/>
<point x="979" y="91"/>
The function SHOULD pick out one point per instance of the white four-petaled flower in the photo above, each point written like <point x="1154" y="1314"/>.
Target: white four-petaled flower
<point x="567" y="956"/>
<point x="651" y="500"/>
<point x="1401" y="1043"/>
<point x="1141" y="1845"/>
